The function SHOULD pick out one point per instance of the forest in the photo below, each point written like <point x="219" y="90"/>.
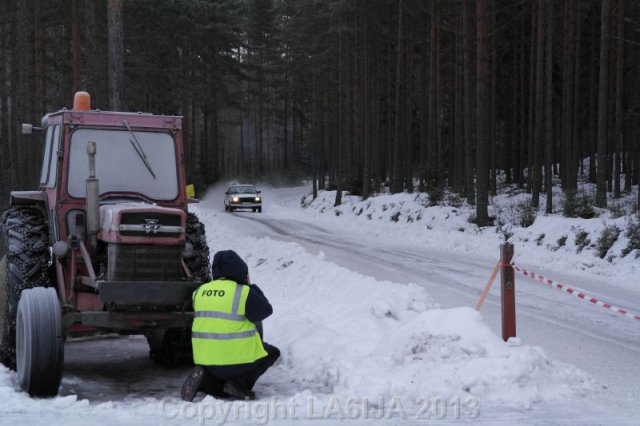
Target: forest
<point x="356" y="95"/>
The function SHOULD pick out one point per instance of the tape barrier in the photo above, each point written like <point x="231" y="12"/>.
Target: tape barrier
<point x="575" y="291"/>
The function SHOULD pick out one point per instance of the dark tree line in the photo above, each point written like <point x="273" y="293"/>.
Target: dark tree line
<point x="357" y="94"/>
<point x="459" y="93"/>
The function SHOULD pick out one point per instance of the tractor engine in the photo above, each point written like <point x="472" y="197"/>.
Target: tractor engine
<point x="143" y="242"/>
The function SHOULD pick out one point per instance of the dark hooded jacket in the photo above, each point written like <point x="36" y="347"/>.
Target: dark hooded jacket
<point x="228" y="265"/>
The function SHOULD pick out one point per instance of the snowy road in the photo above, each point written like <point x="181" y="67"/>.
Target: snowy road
<point x="598" y="341"/>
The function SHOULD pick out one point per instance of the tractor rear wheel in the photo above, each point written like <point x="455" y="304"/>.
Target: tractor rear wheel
<point x="24" y="263"/>
<point x="39" y="342"/>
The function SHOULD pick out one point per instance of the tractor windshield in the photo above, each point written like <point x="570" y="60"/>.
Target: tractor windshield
<point x="118" y="167"/>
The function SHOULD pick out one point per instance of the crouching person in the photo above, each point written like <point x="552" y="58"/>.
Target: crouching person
<point x="228" y="350"/>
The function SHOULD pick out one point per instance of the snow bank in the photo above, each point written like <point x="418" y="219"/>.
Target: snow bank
<point x="348" y="335"/>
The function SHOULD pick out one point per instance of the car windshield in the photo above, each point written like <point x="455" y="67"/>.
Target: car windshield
<point x="242" y="190"/>
<point x="118" y="167"/>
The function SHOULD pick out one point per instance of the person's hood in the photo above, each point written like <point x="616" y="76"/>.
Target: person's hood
<point x="228" y="265"/>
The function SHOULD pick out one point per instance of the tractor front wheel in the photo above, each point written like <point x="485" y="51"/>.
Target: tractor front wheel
<point x="172" y="347"/>
<point x="24" y="263"/>
<point x="39" y="342"/>
<point x="199" y="262"/>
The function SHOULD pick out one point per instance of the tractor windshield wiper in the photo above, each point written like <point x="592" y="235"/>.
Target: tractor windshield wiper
<point x="136" y="145"/>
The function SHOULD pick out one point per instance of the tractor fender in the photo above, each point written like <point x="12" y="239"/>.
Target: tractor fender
<point x="28" y="198"/>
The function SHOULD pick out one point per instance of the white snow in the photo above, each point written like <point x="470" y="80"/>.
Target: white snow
<point x="363" y="346"/>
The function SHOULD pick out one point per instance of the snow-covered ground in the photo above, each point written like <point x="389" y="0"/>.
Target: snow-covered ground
<point x="373" y="317"/>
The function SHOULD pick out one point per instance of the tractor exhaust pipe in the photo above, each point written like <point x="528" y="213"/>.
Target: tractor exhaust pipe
<point x="93" y="198"/>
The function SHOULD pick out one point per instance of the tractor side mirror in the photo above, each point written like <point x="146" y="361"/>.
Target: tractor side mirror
<point x="259" y="192"/>
<point x="227" y="193"/>
<point x="28" y="129"/>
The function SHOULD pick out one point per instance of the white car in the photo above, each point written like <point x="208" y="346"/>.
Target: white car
<point x="242" y="197"/>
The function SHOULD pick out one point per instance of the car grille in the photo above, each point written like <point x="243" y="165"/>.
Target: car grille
<point x="247" y="199"/>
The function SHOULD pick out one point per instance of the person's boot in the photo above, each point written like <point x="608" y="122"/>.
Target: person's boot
<point x="238" y="389"/>
<point x="192" y="384"/>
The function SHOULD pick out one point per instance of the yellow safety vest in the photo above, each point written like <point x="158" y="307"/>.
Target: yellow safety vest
<point x="221" y="333"/>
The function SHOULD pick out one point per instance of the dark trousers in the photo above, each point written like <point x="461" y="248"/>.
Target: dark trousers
<point x="245" y="374"/>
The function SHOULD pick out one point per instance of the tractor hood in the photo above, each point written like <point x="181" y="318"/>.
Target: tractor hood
<point x="141" y="223"/>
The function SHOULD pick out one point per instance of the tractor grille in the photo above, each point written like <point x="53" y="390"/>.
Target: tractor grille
<point x="141" y="224"/>
<point x="144" y="263"/>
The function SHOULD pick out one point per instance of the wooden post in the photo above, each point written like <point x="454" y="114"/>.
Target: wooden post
<point x="487" y="287"/>
<point x="508" y="293"/>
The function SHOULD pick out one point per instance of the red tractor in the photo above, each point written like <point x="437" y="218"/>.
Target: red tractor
<point x="106" y="244"/>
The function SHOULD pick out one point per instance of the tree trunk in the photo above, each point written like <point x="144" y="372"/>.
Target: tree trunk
<point x="511" y="145"/>
<point x="548" y="169"/>
<point x="493" y="150"/>
<point x="524" y="134"/>
<point x="341" y="121"/>
<point x="116" y="54"/>
<point x="459" y="160"/>
<point x="593" y="113"/>
<point x="4" y="132"/>
<point x="568" y="171"/>
<point x="432" y="126"/>
<point x="38" y="51"/>
<point x="532" y="94"/>
<point x="578" y="146"/>
<point x="407" y="116"/>
<point x="366" y="117"/>
<point x="23" y="104"/>
<point x="482" y="110"/>
<point x="618" y="140"/>
<point x="539" y="109"/>
<point x="468" y="96"/>
<point x="396" y="179"/>
<point x="603" y="93"/>
<point x="75" y="34"/>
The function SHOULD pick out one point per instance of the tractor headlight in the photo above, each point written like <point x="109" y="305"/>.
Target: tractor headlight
<point x="258" y="199"/>
<point x="60" y="249"/>
<point x="235" y="199"/>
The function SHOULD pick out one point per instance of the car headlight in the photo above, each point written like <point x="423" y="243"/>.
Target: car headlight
<point x="235" y="199"/>
<point x="257" y="198"/>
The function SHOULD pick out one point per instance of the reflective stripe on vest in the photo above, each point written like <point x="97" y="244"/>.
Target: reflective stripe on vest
<point x="222" y="315"/>
<point x="221" y="333"/>
<point x="200" y="335"/>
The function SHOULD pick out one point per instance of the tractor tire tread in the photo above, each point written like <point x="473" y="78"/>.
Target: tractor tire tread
<point x="26" y="233"/>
